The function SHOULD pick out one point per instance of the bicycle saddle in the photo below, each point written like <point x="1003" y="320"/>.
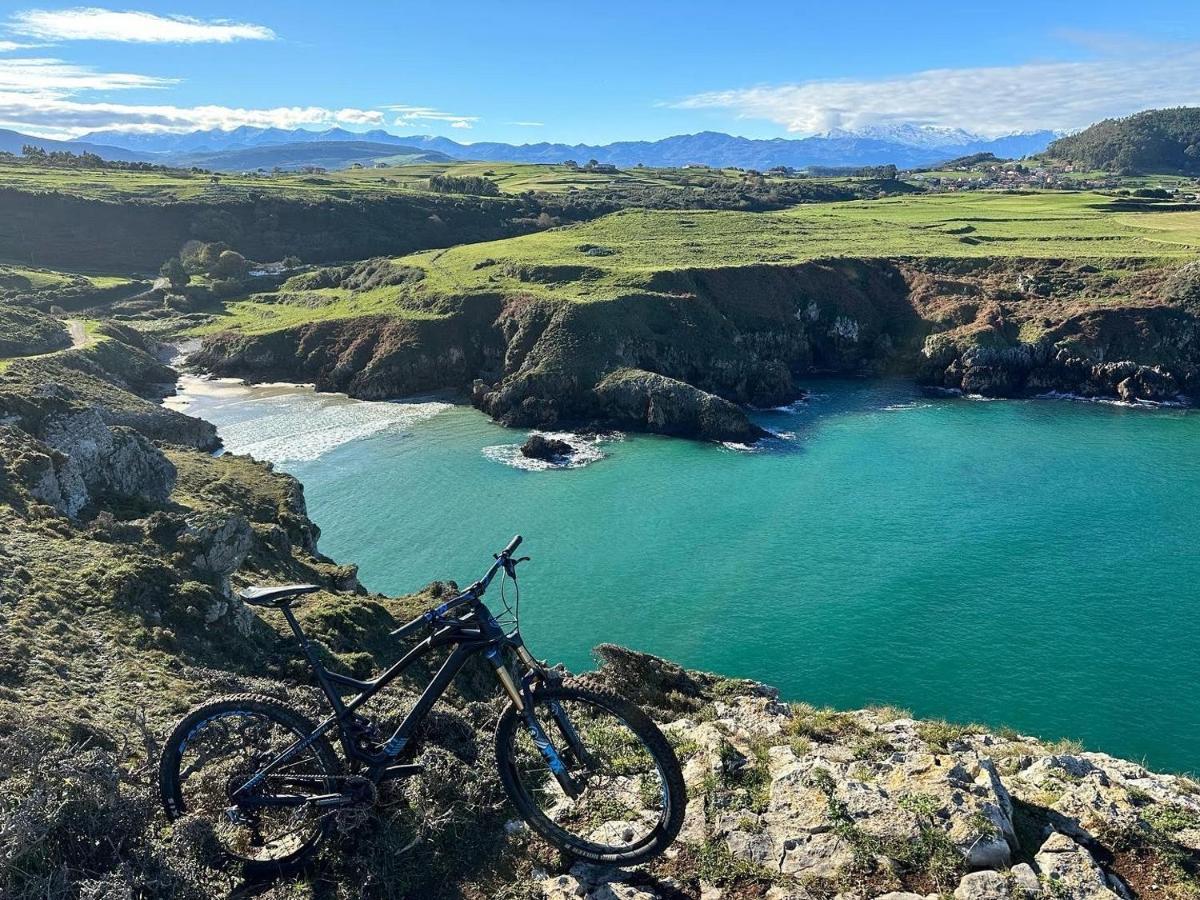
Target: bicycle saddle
<point x="275" y="596"/>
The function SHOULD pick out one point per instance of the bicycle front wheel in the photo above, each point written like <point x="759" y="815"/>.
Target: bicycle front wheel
<point x="629" y="797"/>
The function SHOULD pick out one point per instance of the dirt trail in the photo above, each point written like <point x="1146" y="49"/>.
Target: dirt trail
<point x="78" y="333"/>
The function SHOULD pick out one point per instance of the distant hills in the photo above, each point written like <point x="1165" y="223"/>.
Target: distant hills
<point x="13" y="141"/>
<point x="299" y="154"/>
<point x="1157" y="140"/>
<point x="906" y="146"/>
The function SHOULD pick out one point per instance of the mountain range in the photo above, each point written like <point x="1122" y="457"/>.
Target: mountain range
<point x="905" y="146"/>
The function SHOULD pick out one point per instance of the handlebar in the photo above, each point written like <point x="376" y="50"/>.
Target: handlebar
<point x="503" y="560"/>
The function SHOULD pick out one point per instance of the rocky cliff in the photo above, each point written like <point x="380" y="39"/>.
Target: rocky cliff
<point x="681" y="356"/>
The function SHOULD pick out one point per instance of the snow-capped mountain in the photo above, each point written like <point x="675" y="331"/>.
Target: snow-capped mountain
<point x="904" y="145"/>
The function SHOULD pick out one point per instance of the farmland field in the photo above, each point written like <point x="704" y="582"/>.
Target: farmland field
<point x="511" y="178"/>
<point x="620" y="253"/>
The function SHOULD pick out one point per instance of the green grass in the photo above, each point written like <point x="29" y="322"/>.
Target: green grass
<point x="638" y="244"/>
<point x="511" y="178"/>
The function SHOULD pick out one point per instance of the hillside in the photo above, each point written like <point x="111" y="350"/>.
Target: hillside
<point x="1154" y="141"/>
<point x="295" y="155"/>
<point x="126" y="540"/>
<point x="664" y="321"/>
<point x="129" y="220"/>
<point x="14" y="141"/>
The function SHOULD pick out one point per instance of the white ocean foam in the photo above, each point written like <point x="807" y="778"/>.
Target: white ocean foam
<point x="292" y="423"/>
<point x="911" y="404"/>
<point x="738" y="447"/>
<point x="587" y="449"/>
<point x="1110" y="401"/>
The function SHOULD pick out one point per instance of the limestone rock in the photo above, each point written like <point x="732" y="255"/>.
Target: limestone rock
<point x="115" y="461"/>
<point x="1070" y="871"/>
<point x="986" y="885"/>
<point x="217" y="544"/>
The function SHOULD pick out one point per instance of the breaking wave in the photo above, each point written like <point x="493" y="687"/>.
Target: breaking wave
<point x="285" y="423"/>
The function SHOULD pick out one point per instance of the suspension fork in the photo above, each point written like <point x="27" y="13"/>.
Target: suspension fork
<point x="540" y="739"/>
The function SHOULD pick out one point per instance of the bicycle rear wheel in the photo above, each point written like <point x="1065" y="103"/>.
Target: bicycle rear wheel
<point x="216" y="749"/>
<point x="631" y="796"/>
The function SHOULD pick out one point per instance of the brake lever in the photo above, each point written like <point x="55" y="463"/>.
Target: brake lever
<point x="510" y="566"/>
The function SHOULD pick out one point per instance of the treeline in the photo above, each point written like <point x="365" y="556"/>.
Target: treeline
<point x="464" y="184"/>
<point x="65" y="159"/>
<point x="1154" y="141"/>
<point x="749" y="194"/>
<point x="888" y="171"/>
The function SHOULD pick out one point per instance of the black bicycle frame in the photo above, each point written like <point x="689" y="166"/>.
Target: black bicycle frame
<point x="471" y="634"/>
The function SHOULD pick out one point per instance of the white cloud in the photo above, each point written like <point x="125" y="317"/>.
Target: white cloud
<point x="89" y="23"/>
<point x="415" y="116"/>
<point x="45" y="96"/>
<point x="988" y="101"/>
<point x="10" y="46"/>
<point x="527" y="124"/>
<point x="65" y="118"/>
<point x="350" y="116"/>
<point x="39" y="77"/>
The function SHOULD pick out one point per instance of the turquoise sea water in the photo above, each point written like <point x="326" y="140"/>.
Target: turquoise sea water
<point x="1023" y="563"/>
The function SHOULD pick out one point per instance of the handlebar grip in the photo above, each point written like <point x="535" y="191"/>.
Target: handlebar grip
<point x="512" y="545"/>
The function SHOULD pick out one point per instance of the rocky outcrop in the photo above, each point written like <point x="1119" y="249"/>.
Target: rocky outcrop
<point x="807" y="803"/>
<point x="645" y="401"/>
<point x="69" y="459"/>
<point x="548" y="449"/>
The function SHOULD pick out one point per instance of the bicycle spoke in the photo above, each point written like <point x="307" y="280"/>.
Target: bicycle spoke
<point x="222" y="755"/>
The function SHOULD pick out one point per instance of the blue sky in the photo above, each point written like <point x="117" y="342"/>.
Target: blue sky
<point x="523" y="71"/>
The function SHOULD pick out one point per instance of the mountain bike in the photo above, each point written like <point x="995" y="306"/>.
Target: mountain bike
<point x="588" y="770"/>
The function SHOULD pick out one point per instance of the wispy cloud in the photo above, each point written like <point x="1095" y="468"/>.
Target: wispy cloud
<point x="990" y="101"/>
<point x="89" y="23"/>
<point x="69" y="118"/>
<point x="50" y="98"/>
<point x="409" y="116"/>
<point x="39" y="78"/>
<point x="10" y="46"/>
<point x="527" y="124"/>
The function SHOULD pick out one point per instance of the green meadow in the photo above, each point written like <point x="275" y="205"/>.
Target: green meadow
<point x="620" y="253"/>
<point x="511" y="178"/>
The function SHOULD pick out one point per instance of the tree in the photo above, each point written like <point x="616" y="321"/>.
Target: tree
<point x="175" y="273"/>
<point x="230" y="264"/>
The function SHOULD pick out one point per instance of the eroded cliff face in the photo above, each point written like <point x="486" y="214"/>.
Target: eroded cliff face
<point x="681" y="356"/>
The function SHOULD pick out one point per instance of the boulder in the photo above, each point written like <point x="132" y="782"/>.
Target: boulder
<point x="985" y="885"/>
<point x="549" y="449"/>
<point x="1070" y="872"/>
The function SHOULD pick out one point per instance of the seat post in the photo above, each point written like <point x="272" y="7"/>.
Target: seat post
<point x="314" y="661"/>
